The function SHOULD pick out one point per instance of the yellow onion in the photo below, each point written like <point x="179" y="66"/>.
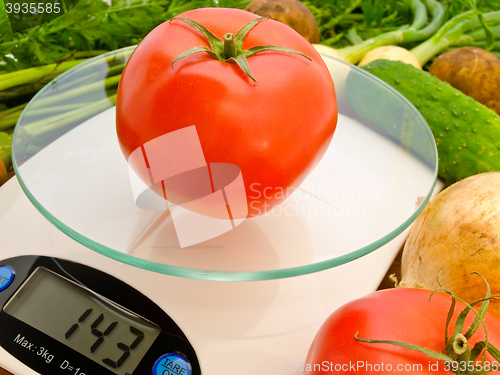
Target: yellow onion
<point x="456" y="234"/>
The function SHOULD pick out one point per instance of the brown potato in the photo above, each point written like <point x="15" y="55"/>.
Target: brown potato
<point x="291" y="12"/>
<point x="473" y="71"/>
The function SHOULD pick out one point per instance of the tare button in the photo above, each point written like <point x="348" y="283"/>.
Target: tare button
<point x="6" y="277"/>
<point x="172" y="364"/>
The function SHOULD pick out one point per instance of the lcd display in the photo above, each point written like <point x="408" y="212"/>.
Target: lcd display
<point x="84" y="321"/>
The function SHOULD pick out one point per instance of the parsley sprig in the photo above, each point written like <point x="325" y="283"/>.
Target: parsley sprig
<point x="91" y="26"/>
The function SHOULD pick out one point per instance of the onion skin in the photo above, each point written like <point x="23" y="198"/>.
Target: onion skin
<point x="4" y="176"/>
<point x="329" y="51"/>
<point x="394" y="53"/>
<point x="457" y="233"/>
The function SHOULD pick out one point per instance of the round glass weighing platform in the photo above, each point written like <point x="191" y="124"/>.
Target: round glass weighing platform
<point x="374" y="180"/>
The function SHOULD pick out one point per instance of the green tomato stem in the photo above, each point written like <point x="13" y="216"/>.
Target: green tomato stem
<point x="482" y="310"/>
<point x="457" y="349"/>
<point x="430" y="353"/>
<point x="230" y="49"/>
<point x="460" y="344"/>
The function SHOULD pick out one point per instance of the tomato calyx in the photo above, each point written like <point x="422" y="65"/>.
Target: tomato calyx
<point x="457" y="350"/>
<point x="230" y="47"/>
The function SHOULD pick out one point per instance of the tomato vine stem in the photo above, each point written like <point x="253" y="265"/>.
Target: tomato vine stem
<point x="457" y="348"/>
<point x="230" y="47"/>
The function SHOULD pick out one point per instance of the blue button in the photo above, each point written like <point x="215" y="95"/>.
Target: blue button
<point x="6" y="277"/>
<point x="172" y="364"/>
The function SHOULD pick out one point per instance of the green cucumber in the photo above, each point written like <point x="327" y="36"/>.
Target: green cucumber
<point x="467" y="133"/>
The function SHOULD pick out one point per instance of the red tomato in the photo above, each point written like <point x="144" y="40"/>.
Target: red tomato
<point x="398" y="314"/>
<point x="275" y="130"/>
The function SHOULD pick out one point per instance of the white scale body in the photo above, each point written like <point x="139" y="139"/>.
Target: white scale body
<point x="235" y="327"/>
<point x="243" y="328"/>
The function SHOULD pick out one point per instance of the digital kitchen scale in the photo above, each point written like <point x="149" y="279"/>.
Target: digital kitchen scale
<point x="62" y="317"/>
<point x="247" y="301"/>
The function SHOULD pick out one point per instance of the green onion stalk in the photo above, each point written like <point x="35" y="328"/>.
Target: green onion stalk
<point x="55" y="113"/>
<point x="9" y="117"/>
<point x="479" y="36"/>
<point x="467" y="29"/>
<point x="30" y="80"/>
<point x="13" y="85"/>
<point x="63" y="106"/>
<point x="47" y="124"/>
<point x="74" y="101"/>
<point x="5" y="157"/>
<point x="17" y="88"/>
<point x="415" y="32"/>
